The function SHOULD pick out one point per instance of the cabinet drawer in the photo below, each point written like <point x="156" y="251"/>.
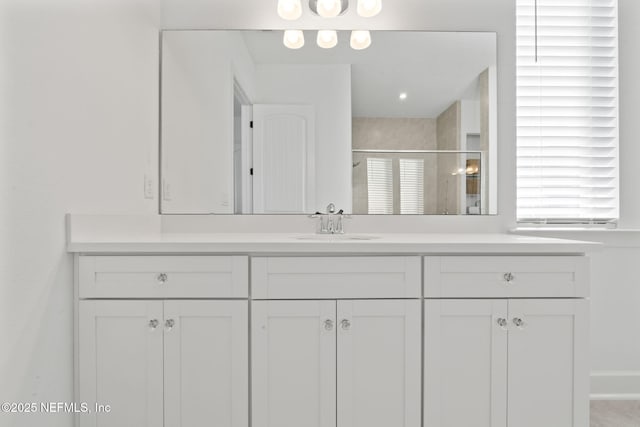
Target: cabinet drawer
<point x="335" y="277"/>
<point x="506" y="276"/>
<point x="163" y="277"/>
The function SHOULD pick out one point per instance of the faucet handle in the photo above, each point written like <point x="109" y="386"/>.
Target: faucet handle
<point x="339" y="229"/>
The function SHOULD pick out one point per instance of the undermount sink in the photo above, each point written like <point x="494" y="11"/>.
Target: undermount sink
<point x="336" y="237"/>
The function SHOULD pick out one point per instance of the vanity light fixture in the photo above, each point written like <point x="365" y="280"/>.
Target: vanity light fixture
<point x="327" y="38"/>
<point x="369" y="8"/>
<point x="360" y="39"/>
<point x="293" y="39"/>
<point x="290" y="9"/>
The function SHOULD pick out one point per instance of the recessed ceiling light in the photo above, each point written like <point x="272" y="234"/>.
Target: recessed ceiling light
<point x="403" y="96"/>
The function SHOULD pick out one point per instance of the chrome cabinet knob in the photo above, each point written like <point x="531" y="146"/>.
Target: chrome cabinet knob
<point x="346" y="324"/>
<point x="518" y="322"/>
<point x="508" y="277"/>
<point x="162" y="278"/>
<point x="153" y="324"/>
<point x="169" y="323"/>
<point x="328" y="325"/>
<point x="502" y="322"/>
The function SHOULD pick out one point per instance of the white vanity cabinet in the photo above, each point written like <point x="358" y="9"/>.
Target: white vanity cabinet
<point x="402" y="331"/>
<point x="511" y="362"/>
<point x="337" y="362"/>
<point x="163" y="362"/>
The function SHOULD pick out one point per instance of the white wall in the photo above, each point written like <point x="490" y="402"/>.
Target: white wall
<point x="78" y="132"/>
<point x="328" y="89"/>
<point x="629" y="24"/>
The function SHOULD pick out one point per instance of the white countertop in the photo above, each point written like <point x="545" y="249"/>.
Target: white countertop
<point x="284" y="243"/>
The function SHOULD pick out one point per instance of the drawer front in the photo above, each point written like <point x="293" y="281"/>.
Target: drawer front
<point x="163" y="277"/>
<point x="506" y="276"/>
<point x="335" y="277"/>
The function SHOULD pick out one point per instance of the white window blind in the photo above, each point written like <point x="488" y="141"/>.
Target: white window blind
<point x="380" y="186"/>
<point x="567" y="111"/>
<point x="412" y="186"/>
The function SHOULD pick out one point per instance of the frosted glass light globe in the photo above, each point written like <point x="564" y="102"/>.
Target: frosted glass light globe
<point x="290" y="9"/>
<point x="327" y="39"/>
<point x="329" y="8"/>
<point x="369" y="8"/>
<point x="360" y="39"/>
<point x="293" y="39"/>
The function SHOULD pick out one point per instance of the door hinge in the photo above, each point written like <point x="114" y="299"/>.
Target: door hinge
<point x="251" y="171"/>
<point x="251" y="124"/>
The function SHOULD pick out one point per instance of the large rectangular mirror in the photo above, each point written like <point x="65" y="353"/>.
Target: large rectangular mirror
<point x="405" y="126"/>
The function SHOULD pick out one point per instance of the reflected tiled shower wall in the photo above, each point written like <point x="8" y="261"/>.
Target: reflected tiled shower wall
<point x="377" y="133"/>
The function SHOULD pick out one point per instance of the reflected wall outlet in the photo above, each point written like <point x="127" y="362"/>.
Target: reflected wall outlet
<point x="148" y="187"/>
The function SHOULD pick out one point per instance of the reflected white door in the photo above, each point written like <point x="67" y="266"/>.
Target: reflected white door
<point x="120" y="362"/>
<point x="283" y="158"/>
<point x="379" y="358"/>
<point x="293" y="363"/>
<point x="465" y="363"/>
<point x="548" y="366"/>
<point x="206" y="361"/>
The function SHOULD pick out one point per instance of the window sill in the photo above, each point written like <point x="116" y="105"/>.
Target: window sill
<point x="609" y="237"/>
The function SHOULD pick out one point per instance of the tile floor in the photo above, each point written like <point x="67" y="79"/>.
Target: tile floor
<point x="615" y="413"/>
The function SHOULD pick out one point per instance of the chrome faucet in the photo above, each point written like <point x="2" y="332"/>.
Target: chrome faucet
<point x="331" y="221"/>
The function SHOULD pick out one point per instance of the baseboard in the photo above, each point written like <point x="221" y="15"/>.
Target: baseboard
<point x="615" y="385"/>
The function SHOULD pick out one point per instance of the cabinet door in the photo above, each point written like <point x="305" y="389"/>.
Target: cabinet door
<point x="379" y="357"/>
<point x="548" y="365"/>
<point x="206" y="363"/>
<point x="465" y="367"/>
<point x="293" y="364"/>
<point x="120" y="362"/>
